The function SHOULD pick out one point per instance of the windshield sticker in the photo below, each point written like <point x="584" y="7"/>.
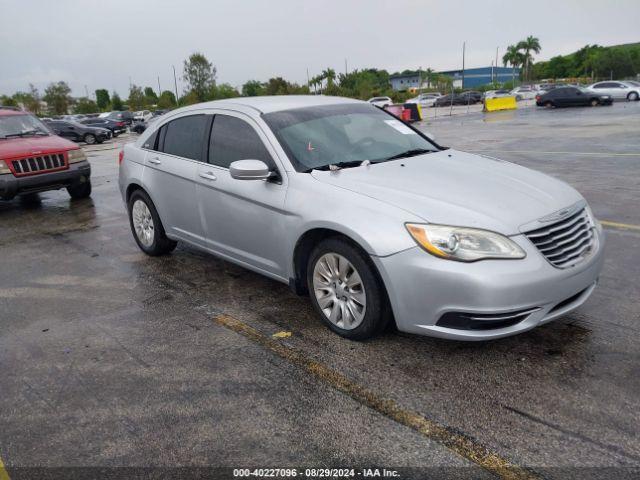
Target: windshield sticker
<point x="399" y="126"/>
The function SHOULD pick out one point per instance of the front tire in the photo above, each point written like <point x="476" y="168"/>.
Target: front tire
<point x="346" y="290"/>
<point x="594" y="102"/>
<point x="146" y="226"/>
<point x="89" y="139"/>
<point x="548" y="104"/>
<point x="80" y="190"/>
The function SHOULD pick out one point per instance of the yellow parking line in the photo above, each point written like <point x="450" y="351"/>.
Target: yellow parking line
<point x="600" y="154"/>
<point x="4" y="475"/>
<point x="457" y="442"/>
<point x="624" y="226"/>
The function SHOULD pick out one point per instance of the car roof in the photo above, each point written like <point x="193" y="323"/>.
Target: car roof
<point x="268" y="104"/>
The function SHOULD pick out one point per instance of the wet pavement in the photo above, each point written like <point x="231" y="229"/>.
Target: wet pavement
<point x="111" y="358"/>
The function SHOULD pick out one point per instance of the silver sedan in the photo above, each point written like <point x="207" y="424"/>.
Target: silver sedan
<point x="366" y="215"/>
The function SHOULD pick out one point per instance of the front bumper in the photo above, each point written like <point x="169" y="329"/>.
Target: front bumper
<point x="423" y="288"/>
<point x="11" y="186"/>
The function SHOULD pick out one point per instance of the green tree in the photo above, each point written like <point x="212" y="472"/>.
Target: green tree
<point x="253" y="88"/>
<point x="136" y="100"/>
<point x="102" y="99"/>
<point x="57" y="96"/>
<point x="530" y="44"/>
<point x="200" y="75"/>
<point x="513" y="57"/>
<point x="85" y="105"/>
<point x="221" y="91"/>
<point x="8" y="101"/>
<point x="116" y="102"/>
<point x="29" y="101"/>
<point x="167" y="100"/>
<point x="151" y="98"/>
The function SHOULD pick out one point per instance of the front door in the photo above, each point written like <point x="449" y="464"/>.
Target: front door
<point x="171" y="165"/>
<point x="243" y="219"/>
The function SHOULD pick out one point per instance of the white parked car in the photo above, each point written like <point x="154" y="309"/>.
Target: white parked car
<point x="380" y="101"/>
<point x="524" y="92"/>
<point x="617" y="90"/>
<point x="497" y="93"/>
<point x="143" y="116"/>
<point x="425" y="99"/>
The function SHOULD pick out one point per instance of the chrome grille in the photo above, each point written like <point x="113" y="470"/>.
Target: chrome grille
<point x="38" y="164"/>
<point x="566" y="242"/>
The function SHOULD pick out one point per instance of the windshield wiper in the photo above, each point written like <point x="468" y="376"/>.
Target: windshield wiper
<point x="25" y="133"/>
<point x="407" y="153"/>
<point x="339" y="165"/>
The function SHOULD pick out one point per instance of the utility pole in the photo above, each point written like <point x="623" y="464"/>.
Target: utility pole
<point x="419" y="78"/>
<point x="86" y="91"/>
<point x="496" y="64"/>
<point x="159" y="90"/>
<point x="345" y="67"/>
<point x="464" y="44"/>
<point x="308" y="81"/>
<point x="175" y="82"/>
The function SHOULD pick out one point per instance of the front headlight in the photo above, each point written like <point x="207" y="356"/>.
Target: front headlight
<point x="77" y="155"/>
<point x="4" y="168"/>
<point x="463" y="244"/>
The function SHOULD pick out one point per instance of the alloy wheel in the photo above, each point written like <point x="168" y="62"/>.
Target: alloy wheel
<point x="339" y="291"/>
<point x="143" y="223"/>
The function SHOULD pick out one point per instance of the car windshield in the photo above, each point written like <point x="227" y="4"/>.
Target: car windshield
<point x="344" y="135"/>
<point x="21" y="126"/>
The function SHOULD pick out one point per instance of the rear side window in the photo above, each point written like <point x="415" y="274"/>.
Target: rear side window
<point x="234" y="139"/>
<point x="183" y="137"/>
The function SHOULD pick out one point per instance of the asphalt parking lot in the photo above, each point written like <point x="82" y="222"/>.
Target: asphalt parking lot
<point x="113" y="359"/>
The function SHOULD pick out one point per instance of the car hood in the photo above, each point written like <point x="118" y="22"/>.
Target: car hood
<point x="28" y="146"/>
<point x="457" y="188"/>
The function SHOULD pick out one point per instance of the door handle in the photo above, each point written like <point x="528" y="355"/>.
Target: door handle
<point x="208" y="176"/>
<point x="155" y="161"/>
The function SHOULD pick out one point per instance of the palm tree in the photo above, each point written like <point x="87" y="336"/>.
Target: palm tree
<point x="513" y="57"/>
<point x="530" y="44"/>
<point x="330" y="75"/>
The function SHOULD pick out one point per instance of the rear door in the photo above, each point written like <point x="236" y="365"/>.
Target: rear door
<point x="171" y="163"/>
<point x="243" y="219"/>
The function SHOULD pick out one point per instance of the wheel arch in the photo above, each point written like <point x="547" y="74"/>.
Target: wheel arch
<point x="306" y="243"/>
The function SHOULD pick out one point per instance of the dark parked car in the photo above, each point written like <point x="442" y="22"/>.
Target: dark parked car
<point x="446" y="100"/>
<point x="470" y="97"/>
<point x="78" y="132"/>
<point x="571" y="97"/>
<point x="124" y="116"/>
<point x="116" y="126"/>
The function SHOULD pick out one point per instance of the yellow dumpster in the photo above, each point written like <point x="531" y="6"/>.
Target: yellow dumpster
<point x="501" y="103"/>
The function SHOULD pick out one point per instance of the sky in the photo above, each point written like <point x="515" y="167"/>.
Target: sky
<point x="108" y="44"/>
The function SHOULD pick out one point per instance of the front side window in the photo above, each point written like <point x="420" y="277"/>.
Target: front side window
<point x="184" y="136"/>
<point x="317" y="137"/>
<point x="234" y="139"/>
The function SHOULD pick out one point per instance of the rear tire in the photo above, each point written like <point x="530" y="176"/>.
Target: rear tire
<point x="633" y="97"/>
<point x="80" y="190"/>
<point x="344" y="280"/>
<point x="548" y="104"/>
<point x="594" y="102"/>
<point x="146" y="226"/>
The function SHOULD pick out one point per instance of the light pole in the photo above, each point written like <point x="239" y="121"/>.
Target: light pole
<point x="175" y="82"/>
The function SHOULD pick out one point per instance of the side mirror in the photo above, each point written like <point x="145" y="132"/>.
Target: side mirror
<point x="249" y="170"/>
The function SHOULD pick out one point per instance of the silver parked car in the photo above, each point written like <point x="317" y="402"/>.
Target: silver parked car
<point x="617" y="90"/>
<point x="373" y="220"/>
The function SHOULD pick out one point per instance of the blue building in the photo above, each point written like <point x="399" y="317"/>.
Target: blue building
<point x="473" y="77"/>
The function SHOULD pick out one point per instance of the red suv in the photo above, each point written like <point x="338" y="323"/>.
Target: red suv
<point x="33" y="159"/>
